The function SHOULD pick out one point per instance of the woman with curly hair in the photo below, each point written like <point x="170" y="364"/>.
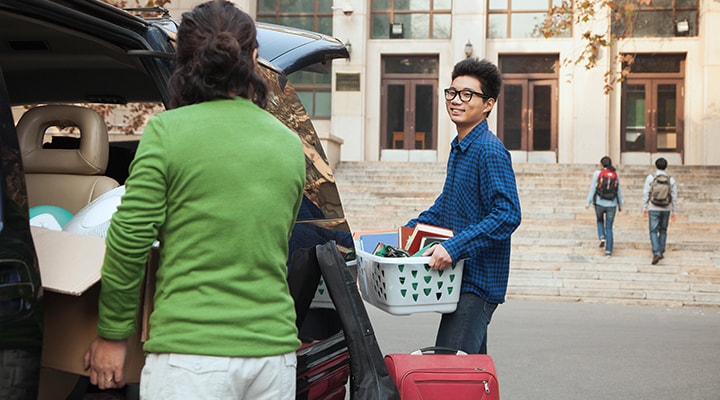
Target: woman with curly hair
<point x="218" y="181"/>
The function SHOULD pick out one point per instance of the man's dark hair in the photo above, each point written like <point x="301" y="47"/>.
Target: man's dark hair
<point x="485" y="71"/>
<point x="661" y="163"/>
<point x="215" y="44"/>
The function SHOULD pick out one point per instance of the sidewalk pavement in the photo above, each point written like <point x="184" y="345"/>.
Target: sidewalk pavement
<point x="582" y="351"/>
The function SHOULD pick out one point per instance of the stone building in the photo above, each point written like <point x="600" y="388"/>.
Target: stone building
<point x="384" y="103"/>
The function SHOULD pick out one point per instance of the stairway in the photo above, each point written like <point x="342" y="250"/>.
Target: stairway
<point x="555" y="250"/>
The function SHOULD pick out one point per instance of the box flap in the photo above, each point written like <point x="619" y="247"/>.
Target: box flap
<point x="69" y="263"/>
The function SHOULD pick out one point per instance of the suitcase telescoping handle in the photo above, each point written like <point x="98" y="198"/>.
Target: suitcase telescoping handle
<point x="438" y="350"/>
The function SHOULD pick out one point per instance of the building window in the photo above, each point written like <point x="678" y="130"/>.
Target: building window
<point x="519" y="19"/>
<point x="411" y="19"/>
<point x="662" y="18"/>
<point x="313" y="89"/>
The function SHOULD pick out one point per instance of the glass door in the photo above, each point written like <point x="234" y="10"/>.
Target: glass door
<point x="409" y="113"/>
<point x="651" y="111"/>
<point x="528" y="115"/>
<point x="666" y="116"/>
<point x="543" y="121"/>
<point x="513" y="124"/>
<point x="635" y="116"/>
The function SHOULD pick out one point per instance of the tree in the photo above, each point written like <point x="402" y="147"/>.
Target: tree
<point x="134" y="116"/>
<point x="579" y="12"/>
<point x="136" y="3"/>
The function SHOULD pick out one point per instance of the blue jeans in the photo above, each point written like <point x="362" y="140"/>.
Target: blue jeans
<point x="658" y="221"/>
<point x="605" y="217"/>
<point x="466" y="328"/>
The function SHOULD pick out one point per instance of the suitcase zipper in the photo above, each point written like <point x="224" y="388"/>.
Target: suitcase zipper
<point x="487" y="387"/>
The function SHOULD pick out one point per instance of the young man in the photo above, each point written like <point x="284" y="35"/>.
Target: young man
<point x="479" y="203"/>
<point x="658" y="212"/>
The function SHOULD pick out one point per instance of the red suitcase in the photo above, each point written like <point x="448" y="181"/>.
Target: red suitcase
<point x="423" y="376"/>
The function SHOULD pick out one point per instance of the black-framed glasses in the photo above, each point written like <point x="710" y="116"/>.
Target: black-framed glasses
<point x="465" y="94"/>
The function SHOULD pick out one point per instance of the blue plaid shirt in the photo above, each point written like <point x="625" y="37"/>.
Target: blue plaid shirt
<point x="479" y="202"/>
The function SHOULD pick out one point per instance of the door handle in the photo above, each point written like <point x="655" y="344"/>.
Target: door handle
<point x="530" y="120"/>
<point x="653" y="118"/>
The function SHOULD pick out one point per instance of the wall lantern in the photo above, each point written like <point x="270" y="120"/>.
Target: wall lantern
<point x="468" y="49"/>
<point x="682" y="27"/>
<point x="347" y="9"/>
<point x="396" y="31"/>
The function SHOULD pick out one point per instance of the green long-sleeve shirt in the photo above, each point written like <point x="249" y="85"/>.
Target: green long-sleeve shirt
<point x="219" y="184"/>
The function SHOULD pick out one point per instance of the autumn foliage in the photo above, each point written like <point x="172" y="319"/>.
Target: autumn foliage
<point x="583" y="12"/>
<point x="133" y="116"/>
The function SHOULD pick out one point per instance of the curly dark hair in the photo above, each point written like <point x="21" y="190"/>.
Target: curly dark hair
<point x="215" y="46"/>
<point x="484" y="71"/>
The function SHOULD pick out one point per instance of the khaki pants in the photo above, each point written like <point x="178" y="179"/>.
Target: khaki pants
<point x="169" y="376"/>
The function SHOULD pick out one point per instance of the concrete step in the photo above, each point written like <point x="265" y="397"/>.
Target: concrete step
<point x="555" y="250"/>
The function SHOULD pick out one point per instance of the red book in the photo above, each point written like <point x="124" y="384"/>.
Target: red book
<point x="405" y="233"/>
<point x="422" y="230"/>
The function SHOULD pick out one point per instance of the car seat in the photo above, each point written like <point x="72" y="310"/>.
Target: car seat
<point x="67" y="178"/>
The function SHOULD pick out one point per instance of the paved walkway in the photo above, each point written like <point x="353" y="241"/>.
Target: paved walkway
<point x="580" y="351"/>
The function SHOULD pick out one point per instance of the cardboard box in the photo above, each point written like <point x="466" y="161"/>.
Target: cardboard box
<point x="70" y="270"/>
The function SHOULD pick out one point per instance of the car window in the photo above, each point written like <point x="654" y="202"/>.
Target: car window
<point x="2" y="195"/>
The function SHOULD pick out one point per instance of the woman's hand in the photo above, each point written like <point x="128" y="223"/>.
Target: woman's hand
<point x="105" y="359"/>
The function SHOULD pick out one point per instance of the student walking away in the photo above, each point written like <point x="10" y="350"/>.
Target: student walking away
<point x="479" y="203"/>
<point x="606" y="196"/>
<point x="660" y="206"/>
<point x="219" y="181"/>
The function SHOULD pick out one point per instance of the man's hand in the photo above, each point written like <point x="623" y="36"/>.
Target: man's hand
<point x="439" y="257"/>
<point x="105" y="359"/>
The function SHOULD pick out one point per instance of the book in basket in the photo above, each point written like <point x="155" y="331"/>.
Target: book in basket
<point x="414" y="242"/>
<point x="368" y="240"/>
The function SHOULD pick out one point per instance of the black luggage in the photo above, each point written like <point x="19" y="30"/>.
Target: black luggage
<point x="369" y="378"/>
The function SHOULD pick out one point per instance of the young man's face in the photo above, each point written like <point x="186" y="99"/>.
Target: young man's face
<point x="466" y="115"/>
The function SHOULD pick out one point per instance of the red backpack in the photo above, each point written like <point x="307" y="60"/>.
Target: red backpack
<point x="607" y="184"/>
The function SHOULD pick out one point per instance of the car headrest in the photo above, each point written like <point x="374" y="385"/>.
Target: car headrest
<point x="91" y="158"/>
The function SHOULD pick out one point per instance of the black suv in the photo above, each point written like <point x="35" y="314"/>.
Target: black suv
<point x="93" y="56"/>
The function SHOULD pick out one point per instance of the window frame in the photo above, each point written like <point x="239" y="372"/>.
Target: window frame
<point x="630" y="28"/>
<point x="509" y="12"/>
<point x="302" y="87"/>
<point x="391" y="12"/>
